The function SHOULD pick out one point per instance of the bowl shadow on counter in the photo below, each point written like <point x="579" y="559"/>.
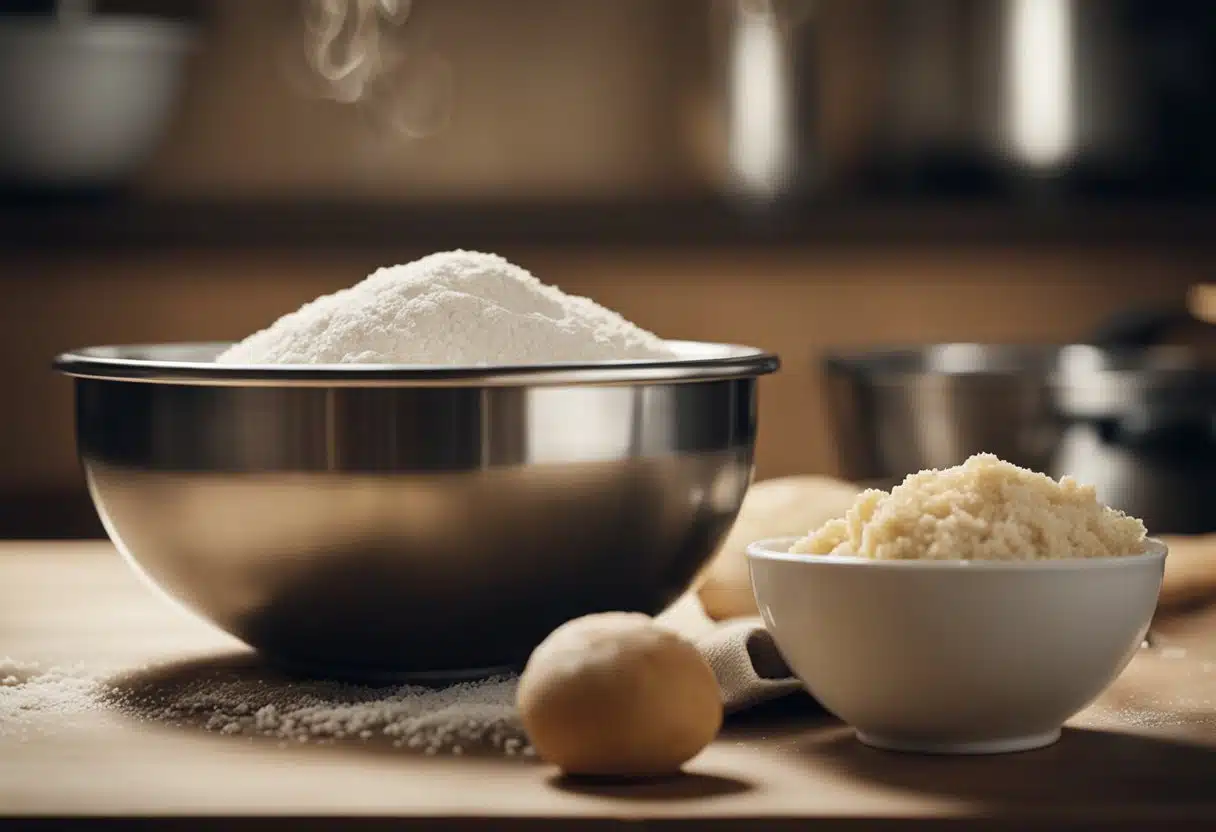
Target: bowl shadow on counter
<point x="1087" y="767"/>
<point x="145" y="694"/>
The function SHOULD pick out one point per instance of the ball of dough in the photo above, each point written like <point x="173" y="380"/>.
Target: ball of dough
<point x="782" y="507"/>
<point x="617" y="694"/>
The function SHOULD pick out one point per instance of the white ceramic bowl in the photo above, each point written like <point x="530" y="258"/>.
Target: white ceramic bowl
<point x="84" y="104"/>
<point x="959" y="657"/>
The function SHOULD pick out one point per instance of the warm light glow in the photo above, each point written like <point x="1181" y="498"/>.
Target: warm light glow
<point x="1040" y="77"/>
<point x="760" y="138"/>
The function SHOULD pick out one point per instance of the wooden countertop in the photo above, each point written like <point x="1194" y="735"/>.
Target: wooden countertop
<point x="1145" y="756"/>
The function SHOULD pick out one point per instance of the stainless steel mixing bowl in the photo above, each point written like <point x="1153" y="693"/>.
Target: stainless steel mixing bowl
<point x="405" y="522"/>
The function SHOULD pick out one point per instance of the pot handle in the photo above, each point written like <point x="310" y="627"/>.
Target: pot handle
<point x="1159" y="428"/>
<point x="1138" y="327"/>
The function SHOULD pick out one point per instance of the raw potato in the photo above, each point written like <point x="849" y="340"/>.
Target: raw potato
<point x="617" y="694"/>
<point x="783" y="507"/>
<point x="1190" y="573"/>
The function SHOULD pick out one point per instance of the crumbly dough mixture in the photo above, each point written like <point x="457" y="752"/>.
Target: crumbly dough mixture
<point x="984" y="509"/>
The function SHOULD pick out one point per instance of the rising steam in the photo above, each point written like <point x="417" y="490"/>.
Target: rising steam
<point x="355" y="50"/>
<point x="349" y="44"/>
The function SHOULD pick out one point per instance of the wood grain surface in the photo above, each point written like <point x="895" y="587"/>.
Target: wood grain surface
<point x="1144" y="756"/>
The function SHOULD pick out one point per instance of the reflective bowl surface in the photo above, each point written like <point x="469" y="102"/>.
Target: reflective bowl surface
<point x="385" y="522"/>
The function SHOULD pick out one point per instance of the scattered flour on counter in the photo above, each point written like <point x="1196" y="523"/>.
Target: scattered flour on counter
<point x="451" y="308"/>
<point x="468" y="718"/>
<point x="34" y="697"/>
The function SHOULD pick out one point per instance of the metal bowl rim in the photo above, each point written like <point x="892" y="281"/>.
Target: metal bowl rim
<point x="1056" y="363"/>
<point x="876" y="363"/>
<point x="700" y="361"/>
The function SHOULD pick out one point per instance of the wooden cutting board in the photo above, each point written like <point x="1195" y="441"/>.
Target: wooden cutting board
<point x="1144" y="756"/>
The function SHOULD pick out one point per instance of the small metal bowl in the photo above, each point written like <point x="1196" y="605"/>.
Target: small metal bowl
<point x="404" y="522"/>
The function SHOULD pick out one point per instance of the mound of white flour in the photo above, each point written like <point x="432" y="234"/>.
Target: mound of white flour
<point x="450" y="308"/>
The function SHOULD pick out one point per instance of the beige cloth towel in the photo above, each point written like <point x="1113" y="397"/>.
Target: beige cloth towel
<point x="741" y="652"/>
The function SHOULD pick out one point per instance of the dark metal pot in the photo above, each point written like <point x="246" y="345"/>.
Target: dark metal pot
<point x="1137" y="423"/>
<point x="1139" y="426"/>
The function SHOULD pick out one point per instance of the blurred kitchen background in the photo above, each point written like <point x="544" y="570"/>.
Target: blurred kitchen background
<point x="816" y="177"/>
